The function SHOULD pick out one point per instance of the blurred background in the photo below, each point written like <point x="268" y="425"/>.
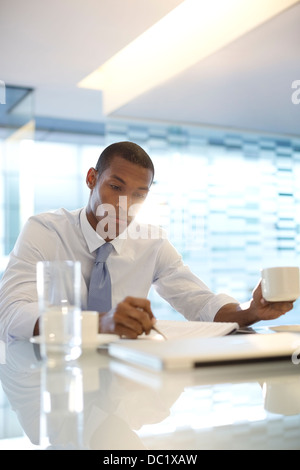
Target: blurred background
<point x="211" y="92"/>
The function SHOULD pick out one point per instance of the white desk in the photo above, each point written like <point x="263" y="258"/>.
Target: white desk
<point x="100" y="403"/>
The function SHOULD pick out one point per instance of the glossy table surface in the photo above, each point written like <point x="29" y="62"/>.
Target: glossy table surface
<point x="97" y="402"/>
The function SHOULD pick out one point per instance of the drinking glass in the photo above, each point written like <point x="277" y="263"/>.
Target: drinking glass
<point x="58" y="286"/>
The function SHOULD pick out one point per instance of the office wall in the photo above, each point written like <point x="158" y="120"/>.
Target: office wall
<point x="229" y="201"/>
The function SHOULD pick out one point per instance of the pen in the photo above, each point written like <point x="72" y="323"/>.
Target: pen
<point x="154" y="327"/>
<point x="159" y="332"/>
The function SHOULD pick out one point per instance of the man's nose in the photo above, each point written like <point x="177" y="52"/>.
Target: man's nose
<point x="123" y="203"/>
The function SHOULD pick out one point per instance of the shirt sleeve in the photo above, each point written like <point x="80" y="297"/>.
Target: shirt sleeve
<point x="184" y="291"/>
<point x="18" y="294"/>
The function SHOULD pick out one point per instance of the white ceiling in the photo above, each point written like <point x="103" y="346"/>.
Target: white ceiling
<point x="51" y="46"/>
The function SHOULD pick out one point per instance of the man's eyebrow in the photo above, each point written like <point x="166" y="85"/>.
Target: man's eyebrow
<point x="116" y="177"/>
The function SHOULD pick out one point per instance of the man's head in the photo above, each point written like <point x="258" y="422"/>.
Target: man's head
<point x="121" y="180"/>
<point x="129" y="151"/>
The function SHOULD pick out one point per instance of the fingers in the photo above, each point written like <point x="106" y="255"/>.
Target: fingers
<point x="135" y="314"/>
<point x="140" y="303"/>
<point x="279" y="306"/>
<point x="131" y="318"/>
<point x="269" y="310"/>
<point x="124" y="332"/>
<point x="273" y="310"/>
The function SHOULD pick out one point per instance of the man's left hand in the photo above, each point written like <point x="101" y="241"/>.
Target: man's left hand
<point x="265" y="310"/>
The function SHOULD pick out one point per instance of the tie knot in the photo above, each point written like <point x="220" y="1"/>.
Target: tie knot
<point x="103" y="252"/>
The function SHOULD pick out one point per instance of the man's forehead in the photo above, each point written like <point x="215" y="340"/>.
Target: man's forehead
<point x="121" y="168"/>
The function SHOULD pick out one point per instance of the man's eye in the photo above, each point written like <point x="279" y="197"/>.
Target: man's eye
<point x="140" y="196"/>
<point x="115" y="187"/>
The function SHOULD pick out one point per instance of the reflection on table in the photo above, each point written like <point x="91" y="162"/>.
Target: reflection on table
<point x="100" y="403"/>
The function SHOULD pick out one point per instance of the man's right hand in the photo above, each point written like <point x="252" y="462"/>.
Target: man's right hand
<point x="129" y="318"/>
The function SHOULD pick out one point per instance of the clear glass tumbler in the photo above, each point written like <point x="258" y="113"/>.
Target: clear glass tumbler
<point x="58" y="286"/>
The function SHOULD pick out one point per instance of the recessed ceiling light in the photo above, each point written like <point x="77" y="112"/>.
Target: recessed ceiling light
<point x="189" y="33"/>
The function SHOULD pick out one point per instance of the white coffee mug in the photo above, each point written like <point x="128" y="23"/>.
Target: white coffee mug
<point x="280" y="284"/>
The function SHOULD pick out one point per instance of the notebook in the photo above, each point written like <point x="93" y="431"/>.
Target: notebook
<point x="193" y="329"/>
<point x="187" y="353"/>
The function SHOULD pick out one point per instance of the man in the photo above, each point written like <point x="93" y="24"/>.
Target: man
<point x="121" y="181"/>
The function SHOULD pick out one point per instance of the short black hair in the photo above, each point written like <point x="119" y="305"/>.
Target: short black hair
<point x="129" y="151"/>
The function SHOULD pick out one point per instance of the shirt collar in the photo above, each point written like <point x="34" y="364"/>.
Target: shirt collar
<point x="93" y="239"/>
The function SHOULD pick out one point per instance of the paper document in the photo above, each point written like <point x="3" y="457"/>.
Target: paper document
<point x="193" y="329"/>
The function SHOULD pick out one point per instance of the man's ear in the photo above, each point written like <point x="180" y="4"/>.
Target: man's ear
<point x="91" y="178"/>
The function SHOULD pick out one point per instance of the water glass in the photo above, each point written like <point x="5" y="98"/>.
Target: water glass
<point x="58" y="286"/>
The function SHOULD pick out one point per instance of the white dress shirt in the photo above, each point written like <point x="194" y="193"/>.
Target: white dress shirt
<point x="134" y="265"/>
